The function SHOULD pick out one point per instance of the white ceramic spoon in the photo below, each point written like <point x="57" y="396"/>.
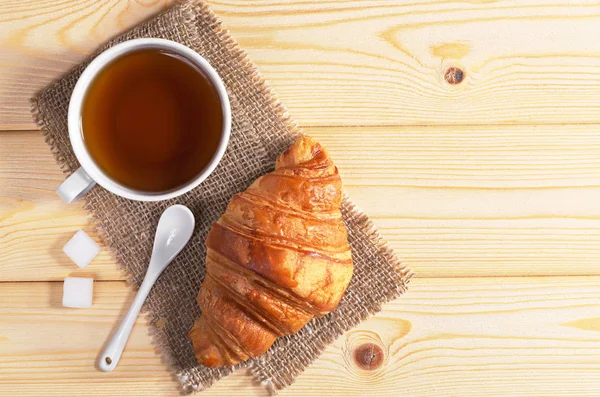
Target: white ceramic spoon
<point x="174" y="230"/>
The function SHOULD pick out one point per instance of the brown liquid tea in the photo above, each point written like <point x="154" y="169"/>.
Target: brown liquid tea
<point x="152" y="120"/>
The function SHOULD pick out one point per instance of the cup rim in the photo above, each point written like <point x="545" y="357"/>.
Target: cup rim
<point x="76" y="129"/>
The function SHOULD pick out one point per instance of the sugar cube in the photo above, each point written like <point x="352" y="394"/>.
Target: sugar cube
<point x="77" y="292"/>
<point x="81" y="249"/>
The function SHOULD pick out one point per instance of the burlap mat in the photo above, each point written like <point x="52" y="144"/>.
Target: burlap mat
<point x="260" y="131"/>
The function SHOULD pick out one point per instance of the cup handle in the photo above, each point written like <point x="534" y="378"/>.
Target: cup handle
<point x="76" y="186"/>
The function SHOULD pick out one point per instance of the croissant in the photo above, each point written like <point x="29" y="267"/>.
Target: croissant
<point x="278" y="257"/>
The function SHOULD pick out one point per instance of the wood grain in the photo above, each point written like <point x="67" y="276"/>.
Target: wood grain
<point x="452" y="202"/>
<point x="354" y="62"/>
<point x="462" y="337"/>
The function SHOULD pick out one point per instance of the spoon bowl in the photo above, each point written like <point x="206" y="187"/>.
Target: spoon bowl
<point x="174" y="230"/>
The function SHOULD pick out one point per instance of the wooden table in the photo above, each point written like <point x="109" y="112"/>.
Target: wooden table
<point x="489" y="188"/>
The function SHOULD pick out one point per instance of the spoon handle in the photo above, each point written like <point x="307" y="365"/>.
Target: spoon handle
<point x="112" y="353"/>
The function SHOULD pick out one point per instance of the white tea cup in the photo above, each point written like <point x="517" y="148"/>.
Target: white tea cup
<point x="82" y="180"/>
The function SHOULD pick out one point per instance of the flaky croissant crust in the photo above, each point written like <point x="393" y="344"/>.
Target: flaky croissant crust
<point x="278" y="257"/>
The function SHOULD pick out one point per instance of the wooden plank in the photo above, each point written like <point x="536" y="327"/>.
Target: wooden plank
<point x="452" y="202"/>
<point x="353" y="62"/>
<point x="445" y="337"/>
<point x="462" y="157"/>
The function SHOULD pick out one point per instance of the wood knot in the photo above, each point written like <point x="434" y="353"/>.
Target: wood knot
<point x="368" y="356"/>
<point x="365" y="354"/>
<point x="454" y="75"/>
